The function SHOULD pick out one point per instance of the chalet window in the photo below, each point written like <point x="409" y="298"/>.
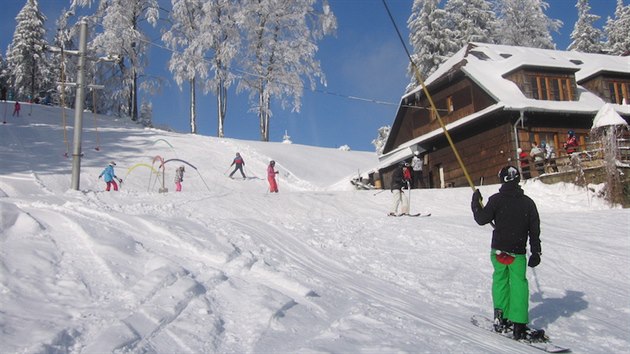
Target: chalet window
<point x="618" y="91"/>
<point x="551" y="88"/>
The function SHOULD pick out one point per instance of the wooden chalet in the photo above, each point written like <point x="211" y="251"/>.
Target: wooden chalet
<point x="494" y="99"/>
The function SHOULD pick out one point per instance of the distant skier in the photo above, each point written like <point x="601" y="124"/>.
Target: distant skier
<point x="16" y="109"/>
<point x="271" y="177"/>
<point x="516" y="219"/>
<point x="398" y="183"/>
<point x="110" y="177"/>
<point x="416" y="166"/>
<point x="179" y="178"/>
<point x="238" y="164"/>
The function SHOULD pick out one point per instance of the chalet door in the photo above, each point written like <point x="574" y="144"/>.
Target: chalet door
<point x="441" y="172"/>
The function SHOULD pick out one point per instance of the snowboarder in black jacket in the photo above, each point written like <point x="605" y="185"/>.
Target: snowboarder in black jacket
<point x="516" y="220"/>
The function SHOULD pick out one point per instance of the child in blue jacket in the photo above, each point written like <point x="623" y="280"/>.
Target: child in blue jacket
<point x="110" y="177"/>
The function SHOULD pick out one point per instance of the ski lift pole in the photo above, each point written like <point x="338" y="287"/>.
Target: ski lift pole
<point x="78" y="109"/>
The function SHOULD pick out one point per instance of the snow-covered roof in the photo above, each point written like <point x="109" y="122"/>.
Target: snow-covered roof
<point x="487" y="64"/>
<point x="607" y="116"/>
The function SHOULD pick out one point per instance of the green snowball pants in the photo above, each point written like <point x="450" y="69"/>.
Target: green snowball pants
<point x="510" y="290"/>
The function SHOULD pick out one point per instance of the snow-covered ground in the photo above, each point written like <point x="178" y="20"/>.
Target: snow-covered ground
<point x="225" y="267"/>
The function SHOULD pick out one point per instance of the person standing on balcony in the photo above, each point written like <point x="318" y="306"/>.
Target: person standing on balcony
<point x="571" y="145"/>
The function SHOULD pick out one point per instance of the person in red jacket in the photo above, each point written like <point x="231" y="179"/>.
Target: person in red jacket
<point x="16" y="109"/>
<point x="523" y="157"/>
<point x="271" y="177"/>
<point x="571" y="145"/>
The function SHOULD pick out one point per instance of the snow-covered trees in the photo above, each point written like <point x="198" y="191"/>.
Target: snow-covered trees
<point x="524" y="23"/>
<point x="26" y="56"/>
<point x="431" y="40"/>
<point x="63" y="66"/>
<point x="471" y="21"/>
<point x="618" y="29"/>
<point x="220" y="34"/>
<point x="585" y="37"/>
<point x="187" y="61"/>
<point x="123" y="36"/>
<point x="436" y="34"/>
<point x="146" y="114"/>
<point x="381" y="139"/>
<point x="281" y="37"/>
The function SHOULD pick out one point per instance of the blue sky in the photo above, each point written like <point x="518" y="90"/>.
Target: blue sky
<point x="364" y="59"/>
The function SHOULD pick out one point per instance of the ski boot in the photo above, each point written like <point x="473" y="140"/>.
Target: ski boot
<point x="501" y="325"/>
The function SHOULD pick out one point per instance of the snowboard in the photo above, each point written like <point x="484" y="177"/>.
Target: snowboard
<point x="542" y="344"/>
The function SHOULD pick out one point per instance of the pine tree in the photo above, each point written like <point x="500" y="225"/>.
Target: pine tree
<point x="471" y="21"/>
<point x="618" y="30"/>
<point x="585" y="37"/>
<point x="432" y="42"/>
<point x="3" y="72"/>
<point x="524" y="23"/>
<point x="282" y="37"/>
<point x="26" y="56"/>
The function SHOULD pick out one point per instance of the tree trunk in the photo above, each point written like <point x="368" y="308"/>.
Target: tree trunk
<point x="263" y="114"/>
<point x="133" y="109"/>
<point x="221" y="107"/>
<point x="193" y="115"/>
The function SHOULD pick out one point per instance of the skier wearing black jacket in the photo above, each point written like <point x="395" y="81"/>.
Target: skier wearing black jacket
<point x="516" y="220"/>
<point x="398" y="183"/>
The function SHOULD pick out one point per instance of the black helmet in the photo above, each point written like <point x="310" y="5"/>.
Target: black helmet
<point x="571" y="133"/>
<point x="509" y="174"/>
<point x="272" y="162"/>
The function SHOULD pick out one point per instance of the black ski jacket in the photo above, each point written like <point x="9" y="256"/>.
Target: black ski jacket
<point x="515" y="216"/>
<point x="397" y="179"/>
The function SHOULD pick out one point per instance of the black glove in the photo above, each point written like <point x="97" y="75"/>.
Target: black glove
<point x="476" y="200"/>
<point x="534" y="259"/>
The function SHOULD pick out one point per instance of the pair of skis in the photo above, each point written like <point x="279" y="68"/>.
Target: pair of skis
<point x="411" y="215"/>
<point x="425" y="214"/>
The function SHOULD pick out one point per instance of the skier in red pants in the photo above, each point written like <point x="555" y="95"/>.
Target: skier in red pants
<point x="271" y="177"/>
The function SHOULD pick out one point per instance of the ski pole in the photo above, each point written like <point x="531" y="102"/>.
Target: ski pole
<point x="379" y="192"/>
<point x="409" y="197"/>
